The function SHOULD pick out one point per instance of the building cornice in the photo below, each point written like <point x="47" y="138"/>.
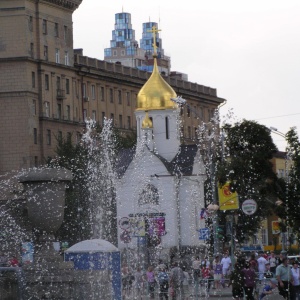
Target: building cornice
<point x="69" y="4"/>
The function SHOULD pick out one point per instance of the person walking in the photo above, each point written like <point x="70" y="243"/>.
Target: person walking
<point x="217" y="271"/>
<point x="226" y="265"/>
<point x="272" y="261"/>
<point x="249" y="281"/>
<point x="237" y="282"/>
<point x="176" y="280"/>
<point x="196" y="267"/>
<point x="151" y="281"/>
<point x="185" y="283"/>
<point x="296" y="281"/>
<point x="284" y="278"/>
<point x="163" y="280"/>
<point x="261" y="261"/>
<point x="138" y="283"/>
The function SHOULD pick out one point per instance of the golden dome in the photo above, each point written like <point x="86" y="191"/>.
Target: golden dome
<point x="147" y="123"/>
<point x="156" y="93"/>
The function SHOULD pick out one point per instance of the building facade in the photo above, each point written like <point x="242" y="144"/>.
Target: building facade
<point x="48" y="89"/>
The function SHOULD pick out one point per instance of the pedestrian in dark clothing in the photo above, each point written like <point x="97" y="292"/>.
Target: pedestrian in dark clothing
<point x="163" y="280"/>
<point x="237" y="282"/>
<point x="249" y="281"/>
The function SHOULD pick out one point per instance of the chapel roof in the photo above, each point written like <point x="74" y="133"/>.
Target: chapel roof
<point x="182" y="163"/>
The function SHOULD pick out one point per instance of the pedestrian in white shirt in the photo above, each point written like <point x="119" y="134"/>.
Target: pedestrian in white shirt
<point x="261" y="261"/>
<point x="226" y="264"/>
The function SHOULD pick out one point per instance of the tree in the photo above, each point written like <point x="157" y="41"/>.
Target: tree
<point x="248" y="148"/>
<point x="290" y="208"/>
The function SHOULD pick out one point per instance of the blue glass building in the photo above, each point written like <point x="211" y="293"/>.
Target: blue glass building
<point x="124" y="48"/>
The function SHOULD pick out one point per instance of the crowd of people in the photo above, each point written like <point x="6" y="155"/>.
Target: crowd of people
<point x="270" y="271"/>
<point x="250" y="277"/>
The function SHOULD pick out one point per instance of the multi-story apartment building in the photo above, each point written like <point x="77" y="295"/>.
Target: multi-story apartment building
<point x="47" y="89"/>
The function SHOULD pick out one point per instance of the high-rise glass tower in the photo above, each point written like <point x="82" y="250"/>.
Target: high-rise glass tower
<point x="124" y="48"/>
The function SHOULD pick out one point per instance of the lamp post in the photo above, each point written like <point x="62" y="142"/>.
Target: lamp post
<point x="284" y="234"/>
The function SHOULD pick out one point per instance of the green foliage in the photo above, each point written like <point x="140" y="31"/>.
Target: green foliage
<point x="292" y="199"/>
<point x="249" y="148"/>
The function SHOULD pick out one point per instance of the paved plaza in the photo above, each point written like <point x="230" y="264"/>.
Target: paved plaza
<point x="224" y="294"/>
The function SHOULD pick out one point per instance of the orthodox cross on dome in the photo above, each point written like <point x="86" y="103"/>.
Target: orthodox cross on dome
<point x="154" y="30"/>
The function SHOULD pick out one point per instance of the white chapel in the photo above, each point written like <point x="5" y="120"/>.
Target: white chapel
<point x="160" y="193"/>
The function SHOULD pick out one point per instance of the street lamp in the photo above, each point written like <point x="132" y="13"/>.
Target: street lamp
<point x="284" y="235"/>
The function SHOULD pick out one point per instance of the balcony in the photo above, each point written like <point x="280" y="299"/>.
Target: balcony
<point x="60" y="94"/>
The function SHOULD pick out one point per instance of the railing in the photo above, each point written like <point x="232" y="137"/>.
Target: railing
<point x="60" y="94"/>
<point x="201" y="289"/>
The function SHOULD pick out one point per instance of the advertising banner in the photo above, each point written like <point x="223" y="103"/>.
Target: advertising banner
<point x="227" y="200"/>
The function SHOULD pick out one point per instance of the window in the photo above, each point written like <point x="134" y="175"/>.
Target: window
<point x="44" y="26"/>
<point x="69" y="136"/>
<point x="30" y="23"/>
<point x="36" y="161"/>
<point x="47" y="109"/>
<point x="188" y="111"/>
<point x="58" y="83"/>
<point x="84" y="90"/>
<point x="48" y="137"/>
<point x="195" y="112"/>
<point x="60" y="136"/>
<point x="94" y="115"/>
<point x="65" y="33"/>
<point x="46" y="52"/>
<point x="189" y="132"/>
<point x="102" y="93"/>
<point x="128" y="98"/>
<point x="102" y="118"/>
<point x="67" y="86"/>
<point x="34" y="135"/>
<point x="58" y="111"/>
<point x="84" y="115"/>
<point x="128" y="122"/>
<point x="114" y="53"/>
<point x="201" y="113"/>
<point x="57" y="57"/>
<point x="68" y="112"/>
<point x="111" y="95"/>
<point x="264" y="236"/>
<point x="31" y="50"/>
<point x="280" y="173"/>
<point x="46" y="82"/>
<point x="66" y="58"/>
<point x="112" y="118"/>
<point x="33" y="79"/>
<point x="56" y="32"/>
<point x="120" y="97"/>
<point x="33" y="107"/>
<point x="120" y="121"/>
<point x="93" y="92"/>
<point x="167" y="128"/>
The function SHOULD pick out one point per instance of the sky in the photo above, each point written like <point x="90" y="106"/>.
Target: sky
<point x="248" y="50"/>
